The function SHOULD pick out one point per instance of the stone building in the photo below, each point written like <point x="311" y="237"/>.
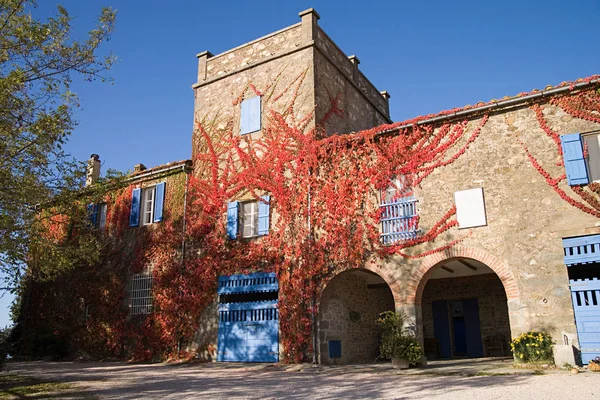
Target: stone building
<point x="506" y="276"/>
<point x="519" y="256"/>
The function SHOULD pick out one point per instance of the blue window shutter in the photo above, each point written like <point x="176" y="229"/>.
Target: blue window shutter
<point x="250" y="119"/>
<point x="441" y="327"/>
<point x="263" y="216"/>
<point x="232" y="219"/>
<point x="473" y="328"/>
<point x="575" y="165"/>
<point x="92" y="213"/>
<point x="159" y="201"/>
<point x="134" y="214"/>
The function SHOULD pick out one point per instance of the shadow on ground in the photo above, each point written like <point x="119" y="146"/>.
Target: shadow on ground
<point x="131" y="381"/>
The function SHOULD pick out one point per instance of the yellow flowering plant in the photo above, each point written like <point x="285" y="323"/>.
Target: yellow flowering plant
<point x="532" y="347"/>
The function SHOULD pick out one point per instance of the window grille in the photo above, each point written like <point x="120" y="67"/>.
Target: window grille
<point x="399" y="218"/>
<point x="140" y="294"/>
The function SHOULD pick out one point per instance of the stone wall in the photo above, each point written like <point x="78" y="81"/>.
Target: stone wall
<point x="300" y="55"/>
<point x="337" y="76"/>
<point x="487" y="289"/>
<point x="526" y="219"/>
<point x="206" y="339"/>
<point x="348" y="312"/>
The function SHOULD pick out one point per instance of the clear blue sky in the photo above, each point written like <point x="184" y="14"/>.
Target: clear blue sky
<point x="429" y="55"/>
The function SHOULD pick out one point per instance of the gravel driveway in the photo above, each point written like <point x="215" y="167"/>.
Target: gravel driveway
<point x="238" y="381"/>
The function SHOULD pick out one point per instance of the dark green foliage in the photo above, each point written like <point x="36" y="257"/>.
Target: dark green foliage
<point x="396" y="341"/>
<point x="38" y="61"/>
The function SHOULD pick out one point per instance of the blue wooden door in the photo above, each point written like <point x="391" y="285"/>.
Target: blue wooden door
<point x="248" y="330"/>
<point x="441" y="327"/>
<point x="472" y="328"/>
<point x="585" y="294"/>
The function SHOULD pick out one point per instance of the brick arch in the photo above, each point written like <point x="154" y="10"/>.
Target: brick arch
<point x="419" y="278"/>
<point x="380" y="269"/>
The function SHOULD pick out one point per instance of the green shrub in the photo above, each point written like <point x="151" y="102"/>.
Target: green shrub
<point x="532" y="347"/>
<point x="397" y="342"/>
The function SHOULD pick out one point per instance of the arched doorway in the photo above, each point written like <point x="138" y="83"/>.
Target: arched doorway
<point x="349" y="307"/>
<point x="464" y="311"/>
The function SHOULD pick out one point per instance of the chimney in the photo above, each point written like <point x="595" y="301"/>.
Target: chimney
<point x="92" y="172"/>
<point x="386" y="97"/>
<point x="139" y="168"/>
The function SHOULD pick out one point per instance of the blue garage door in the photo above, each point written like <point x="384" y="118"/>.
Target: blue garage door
<point x="582" y="254"/>
<point x="248" y="318"/>
<point x="585" y="294"/>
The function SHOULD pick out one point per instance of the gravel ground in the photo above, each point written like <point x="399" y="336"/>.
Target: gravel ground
<point x="237" y="381"/>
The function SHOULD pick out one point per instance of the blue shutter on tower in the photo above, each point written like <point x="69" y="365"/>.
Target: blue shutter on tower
<point x="263" y="215"/>
<point x="92" y="210"/>
<point x="575" y="165"/>
<point x="250" y="115"/>
<point x="134" y="214"/>
<point x="159" y="201"/>
<point x="232" y="219"/>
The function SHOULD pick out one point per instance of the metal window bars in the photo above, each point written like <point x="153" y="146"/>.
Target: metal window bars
<point x="140" y="294"/>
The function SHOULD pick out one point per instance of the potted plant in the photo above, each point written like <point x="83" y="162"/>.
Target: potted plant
<point x="397" y="343"/>
<point x="594" y="364"/>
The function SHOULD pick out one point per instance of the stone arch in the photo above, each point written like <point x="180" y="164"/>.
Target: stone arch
<point x="384" y="271"/>
<point x="420" y="276"/>
<point x="349" y="306"/>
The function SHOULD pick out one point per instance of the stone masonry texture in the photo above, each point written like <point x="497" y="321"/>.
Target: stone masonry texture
<point x="349" y="308"/>
<point x="491" y="299"/>
<point x="526" y="218"/>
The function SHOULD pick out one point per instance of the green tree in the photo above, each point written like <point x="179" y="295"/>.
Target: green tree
<point x="38" y="61"/>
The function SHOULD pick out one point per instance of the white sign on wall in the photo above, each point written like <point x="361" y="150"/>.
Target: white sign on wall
<point x="470" y="208"/>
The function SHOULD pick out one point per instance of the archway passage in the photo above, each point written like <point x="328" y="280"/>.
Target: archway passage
<point x="350" y="305"/>
<point x="464" y="311"/>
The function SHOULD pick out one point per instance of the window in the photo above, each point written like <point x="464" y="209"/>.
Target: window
<point x="250" y="115"/>
<point x="101" y="221"/>
<point x="97" y="215"/>
<point x="581" y="158"/>
<point x="148" y="195"/>
<point x="140" y="293"/>
<point x="248" y="218"/>
<point x="399" y="219"/>
<point x="147" y="205"/>
<point x="592" y="155"/>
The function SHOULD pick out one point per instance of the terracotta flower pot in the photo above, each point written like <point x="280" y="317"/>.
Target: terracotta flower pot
<point x="594" y="367"/>
<point x="399" y="363"/>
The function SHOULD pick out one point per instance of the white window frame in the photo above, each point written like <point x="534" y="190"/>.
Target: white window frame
<point x="148" y="197"/>
<point x="250" y="219"/>
<point x="101" y="209"/>
<point x="140" y="293"/>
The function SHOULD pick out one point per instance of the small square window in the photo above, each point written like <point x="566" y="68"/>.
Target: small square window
<point x="250" y="115"/>
<point x="249" y="219"/>
<point x="148" y="197"/>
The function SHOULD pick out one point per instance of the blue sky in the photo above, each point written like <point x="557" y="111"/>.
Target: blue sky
<point x="429" y="55"/>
